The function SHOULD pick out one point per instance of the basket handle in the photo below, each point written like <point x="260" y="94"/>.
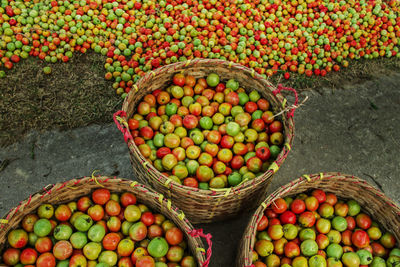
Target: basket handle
<point x="199" y="233"/>
<point x="296" y="97"/>
<point x="120" y="120"/>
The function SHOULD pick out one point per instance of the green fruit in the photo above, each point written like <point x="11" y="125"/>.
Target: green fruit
<point x="393" y="261"/>
<point x="254" y="96"/>
<point x="192" y="166"/>
<point x="83" y="223"/>
<point x="395" y="252"/>
<point x="64" y="263"/>
<point x="236" y="110"/>
<point x="365" y="256"/>
<point x="158" y="140"/>
<point x="92" y="250"/>
<point x="204" y="186"/>
<point x="47" y="70"/>
<point x="42" y="227"/>
<point x="339" y="223"/>
<point x="78" y="240"/>
<point x="378" y="262"/>
<point x="213" y="79"/>
<point x="354" y="207"/>
<point x="309" y="247"/>
<point x="243" y="98"/>
<point x="232" y="84"/>
<point x="177" y="92"/>
<point x="275" y="150"/>
<point x="62" y="232"/>
<point x="2" y="74"/>
<point x="206" y="123"/>
<point x="158" y="247"/>
<point x="335" y="251"/>
<point x="317" y="261"/>
<point x="171" y="109"/>
<point x="232" y="128"/>
<point x="96" y="233"/>
<point x="234" y="179"/>
<point x="351" y="259"/>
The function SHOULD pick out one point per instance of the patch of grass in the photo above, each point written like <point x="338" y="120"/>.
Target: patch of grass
<point x="74" y="94"/>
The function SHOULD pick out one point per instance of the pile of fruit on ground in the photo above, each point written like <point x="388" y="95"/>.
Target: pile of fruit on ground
<point x="310" y="37"/>
<point x="207" y="133"/>
<point x="317" y="229"/>
<point x="104" y="230"/>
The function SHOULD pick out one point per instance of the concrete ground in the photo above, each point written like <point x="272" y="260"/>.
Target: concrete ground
<point x="355" y="131"/>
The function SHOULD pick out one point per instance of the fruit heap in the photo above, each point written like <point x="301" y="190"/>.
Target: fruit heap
<point x="104" y="230"/>
<point x="303" y="36"/>
<point x="318" y="230"/>
<point x="206" y="133"/>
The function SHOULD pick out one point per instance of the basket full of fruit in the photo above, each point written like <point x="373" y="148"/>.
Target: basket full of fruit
<point x="207" y="133"/>
<point x="327" y="219"/>
<point x="100" y="221"/>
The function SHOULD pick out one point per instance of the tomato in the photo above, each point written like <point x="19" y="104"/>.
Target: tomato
<point x="319" y="195"/>
<point x="288" y="217"/>
<point x="111" y="241"/>
<point x="360" y="238"/>
<point x="147" y="218"/>
<point x="298" y="206"/>
<point x="262" y="223"/>
<point x="83" y="204"/>
<point x="112" y="208"/>
<point x="174" y="236"/>
<point x="279" y="206"/>
<point x="363" y="221"/>
<point x="127" y="199"/>
<point x="46" y="260"/>
<point x="101" y="196"/>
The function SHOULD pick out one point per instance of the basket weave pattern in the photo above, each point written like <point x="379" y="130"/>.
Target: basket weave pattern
<point x="373" y="201"/>
<point x="203" y="206"/>
<point x="73" y="189"/>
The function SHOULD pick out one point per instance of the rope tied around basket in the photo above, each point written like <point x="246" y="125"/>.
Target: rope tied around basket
<point x="120" y="120"/>
<point x="292" y="108"/>
<point x="199" y="233"/>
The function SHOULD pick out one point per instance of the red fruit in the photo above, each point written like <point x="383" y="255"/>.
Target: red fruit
<point x="363" y="221"/>
<point x="128" y="199"/>
<point x="250" y="107"/>
<point x="286" y="75"/>
<point x="62" y="250"/>
<point x="162" y="151"/>
<point x="307" y="219"/>
<point x="311" y="203"/>
<point x="227" y="141"/>
<point x="179" y="79"/>
<point x="147" y="218"/>
<point x="11" y="256"/>
<point x="292" y="249"/>
<point x="174" y="236"/>
<point x="346" y="237"/>
<point x="331" y="199"/>
<point x="237" y="162"/>
<point x="270" y="213"/>
<point x="146" y="132"/>
<point x="319" y="195"/>
<point x="46" y="260"/>
<point x="263" y="104"/>
<point x="288" y="217"/>
<point x="262" y="224"/>
<point x="83" y="204"/>
<point x="351" y="223"/>
<point x="360" y="239"/>
<point x="232" y="98"/>
<point x="298" y="206"/>
<point x="279" y="206"/>
<point x="190" y="121"/>
<point x="62" y="213"/>
<point x="275" y="126"/>
<point x="112" y="208"/>
<point x="28" y="256"/>
<point x="110" y="241"/>
<point x="263" y="153"/>
<point x="101" y="196"/>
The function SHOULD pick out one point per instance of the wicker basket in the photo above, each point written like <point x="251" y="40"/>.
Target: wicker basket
<point x="202" y="206"/>
<point x="373" y="201"/>
<point x="73" y="189"/>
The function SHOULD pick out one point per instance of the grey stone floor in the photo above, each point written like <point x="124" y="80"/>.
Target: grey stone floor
<point x="355" y="131"/>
